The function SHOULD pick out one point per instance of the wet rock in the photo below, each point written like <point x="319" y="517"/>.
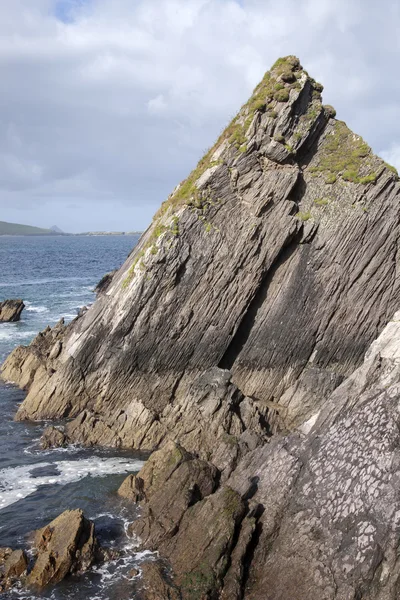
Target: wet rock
<point x="53" y="437"/>
<point x="10" y="310"/>
<point x="155" y="583"/>
<point x="16" y="564"/>
<point x="172" y="480"/>
<point x="67" y="545"/>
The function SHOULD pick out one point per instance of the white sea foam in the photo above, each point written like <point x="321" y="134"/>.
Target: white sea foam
<point x="17" y="483"/>
<point x="12" y="333"/>
<point x="33" y="308"/>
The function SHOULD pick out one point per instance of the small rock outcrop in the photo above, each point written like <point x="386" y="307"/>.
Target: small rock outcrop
<point x="10" y="310"/>
<point x="67" y="545"/>
<point x="15" y="565"/>
<point x="37" y="361"/>
<point x="104" y="283"/>
<point x="53" y="437"/>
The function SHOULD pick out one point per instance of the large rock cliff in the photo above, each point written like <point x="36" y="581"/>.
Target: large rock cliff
<point x="234" y="330"/>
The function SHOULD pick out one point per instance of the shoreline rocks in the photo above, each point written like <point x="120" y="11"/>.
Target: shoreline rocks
<point x="67" y="545"/>
<point x="10" y="310"/>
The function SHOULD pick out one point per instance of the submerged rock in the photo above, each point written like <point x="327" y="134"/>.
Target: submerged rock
<point x="10" y="310"/>
<point x="67" y="545"/>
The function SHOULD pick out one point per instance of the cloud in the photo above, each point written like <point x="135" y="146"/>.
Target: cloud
<point x="110" y="103"/>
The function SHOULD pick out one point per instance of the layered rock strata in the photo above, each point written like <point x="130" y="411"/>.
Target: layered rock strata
<point x="312" y="515"/>
<point x="10" y="310"/>
<point x="232" y="338"/>
<point x="276" y="260"/>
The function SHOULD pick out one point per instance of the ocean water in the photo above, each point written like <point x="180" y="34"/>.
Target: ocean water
<point x="55" y="277"/>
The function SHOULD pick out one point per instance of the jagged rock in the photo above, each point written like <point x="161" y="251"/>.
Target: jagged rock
<point x="67" y="545"/>
<point x="171" y="481"/>
<point x="10" y="310"/>
<point x="237" y="328"/>
<point x="53" y="437"/>
<point x="34" y="363"/>
<point x="259" y="264"/>
<point x="16" y="564"/>
<point x="132" y="488"/>
<point x="104" y="283"/>
<point x="4" y="554"/>
<point x="155" y="584"/>
<point x="316" y="513"/>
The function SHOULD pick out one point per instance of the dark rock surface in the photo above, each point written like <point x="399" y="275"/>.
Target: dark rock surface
<point x="53" y="437"/>
<point x="10" y="310"/>
<point x="104" y="283"/>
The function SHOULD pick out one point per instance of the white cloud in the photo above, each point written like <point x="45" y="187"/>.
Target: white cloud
<point x="114" y="100"/>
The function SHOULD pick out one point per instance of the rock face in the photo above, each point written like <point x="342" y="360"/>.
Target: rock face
<point x="233" y="338"/>
<point x="67" y="545"/>
<point x="274" y="260"/>
<point x="10" y="310"/>
<point x="104" y="283"/>
<point x="310" y="515"/>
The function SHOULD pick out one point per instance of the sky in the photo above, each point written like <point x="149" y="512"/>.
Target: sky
<point x="106" y="105"/>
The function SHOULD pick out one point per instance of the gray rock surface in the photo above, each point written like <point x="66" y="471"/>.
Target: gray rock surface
<point x="233" y="339"/>
<point x="310" y="515"/>
<point x="10" y="310"/>
<point x="259" y="264"/>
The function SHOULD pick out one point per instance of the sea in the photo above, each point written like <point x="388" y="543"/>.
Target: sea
<point x="56" y="276"/>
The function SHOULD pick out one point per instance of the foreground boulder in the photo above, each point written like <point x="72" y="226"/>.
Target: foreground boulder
<point x="10" y="310"/>
<point x="67" y="545"/>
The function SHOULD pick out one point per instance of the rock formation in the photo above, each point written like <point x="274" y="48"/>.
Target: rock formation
<point x="311" y="515"/>
<point x="67" y="545"/>
<point x="10" y="310"/>
<point x="233" y="338"/>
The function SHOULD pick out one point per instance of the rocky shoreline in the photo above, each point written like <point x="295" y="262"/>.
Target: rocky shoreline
<point x="10" y="310"/>
<point x="237" y="343"/>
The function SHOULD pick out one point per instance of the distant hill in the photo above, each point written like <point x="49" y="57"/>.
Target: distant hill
<point x="56" y="229"/>
<point x="17" y="229"/>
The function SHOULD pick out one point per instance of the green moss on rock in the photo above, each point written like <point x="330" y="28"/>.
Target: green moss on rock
<point x="343" y="154"/>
